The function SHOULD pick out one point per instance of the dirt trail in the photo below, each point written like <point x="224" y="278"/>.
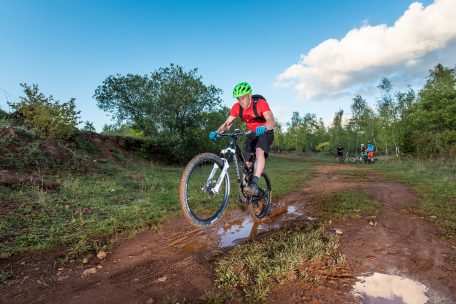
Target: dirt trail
<point x="176" y="262"/>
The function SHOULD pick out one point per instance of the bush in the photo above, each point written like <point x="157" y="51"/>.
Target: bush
<point x="434" y="143"/>
<point x="323" y="147"/>
<point x="46" y="117"/>
<point x="3" y="114"/>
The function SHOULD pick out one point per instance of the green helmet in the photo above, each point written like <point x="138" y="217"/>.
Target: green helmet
<point x="242" y="89"/>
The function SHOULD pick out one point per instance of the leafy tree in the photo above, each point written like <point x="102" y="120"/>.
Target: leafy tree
<point x="279" y="137"/>
<point x="405" y="103"/>
<point x="171" y="105"/>
<point x="388" y="115"/>
<point x="434" y="115"/>
<point x="45" y="116"/>
<point x="362" y="123"/>
<point x="296" y="132"/>
<point x="337" y="132"/>
<point x="88" y="126"/>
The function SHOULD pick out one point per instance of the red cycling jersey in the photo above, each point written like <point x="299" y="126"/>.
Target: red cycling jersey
<point x="248" y="116"/>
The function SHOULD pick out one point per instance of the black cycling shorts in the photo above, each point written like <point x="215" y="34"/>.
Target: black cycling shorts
<point x="263" y="141"/>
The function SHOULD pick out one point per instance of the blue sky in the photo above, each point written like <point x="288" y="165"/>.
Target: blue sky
<point x="69" y="47"/>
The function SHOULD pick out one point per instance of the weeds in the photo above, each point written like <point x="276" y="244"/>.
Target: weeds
<point x="215" y="297"/>
<point x="255" y="267"/>
<point x="5" y="276"/>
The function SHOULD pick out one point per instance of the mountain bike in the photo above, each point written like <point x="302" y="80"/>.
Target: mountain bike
<point x="351" y="158"/>
<point x="364" y="159"/>
<point x="204" y="190"/>
<point x="346" y="157"/>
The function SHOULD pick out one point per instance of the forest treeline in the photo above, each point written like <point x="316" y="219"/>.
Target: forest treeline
<point x="419" y="123"/>
<point x="174" y="110"/>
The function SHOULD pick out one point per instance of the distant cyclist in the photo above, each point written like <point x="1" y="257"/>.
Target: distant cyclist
<point x="255" y="112"/>
<point x="370" y="151"/>
<point x="363" y="152"/>
<point x="340" y="151"/>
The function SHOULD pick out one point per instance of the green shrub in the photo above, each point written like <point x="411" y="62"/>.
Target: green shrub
<point x="46" y="117"/>
<point x="3" y="114"/>
<point x="323" y="147"/>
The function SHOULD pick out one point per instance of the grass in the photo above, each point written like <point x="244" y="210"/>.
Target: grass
<point x="255" y="267"/>
<point x="346" y="204"/>
<point x="287" y="174"/>
<point x="90" y="209"/>
<point x="434" y="181"/>
<point x="215" y="297"/>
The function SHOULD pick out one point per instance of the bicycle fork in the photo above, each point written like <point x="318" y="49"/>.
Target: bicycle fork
<point x="218" y="184"/>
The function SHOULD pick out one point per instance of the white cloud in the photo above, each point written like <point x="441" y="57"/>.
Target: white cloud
<point x="368" y="53"/>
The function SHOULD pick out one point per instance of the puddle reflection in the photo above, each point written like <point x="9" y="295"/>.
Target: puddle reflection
<point x="231" y="233"/>
<point x="244" y="228"/>
<point x="382" y="288"/>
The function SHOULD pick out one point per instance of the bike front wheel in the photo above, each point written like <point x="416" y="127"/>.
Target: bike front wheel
<point x="201" y="202"/>
<point x="260" y="204"/>
<point x="351" y="159"/>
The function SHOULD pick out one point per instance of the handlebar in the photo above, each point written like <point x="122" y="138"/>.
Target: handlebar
<point x="236" y="133"/>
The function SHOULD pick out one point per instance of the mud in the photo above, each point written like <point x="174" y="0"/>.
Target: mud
<point x="177" y="262"/>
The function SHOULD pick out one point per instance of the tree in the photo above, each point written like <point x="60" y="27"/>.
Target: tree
<point x="362" y="123"/>
<point x="405" y="103"/>
<point x="88" y="126"/>
<point x="310" y="124"/>
<point x="170" y="104"/>
<point x="337" y="132"/>
<point x="433" y="117"/>
<point x="296" y="131"/>
<point x="388" y="114"/>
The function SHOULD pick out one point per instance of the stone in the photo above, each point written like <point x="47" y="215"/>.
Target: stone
<point x="101" y="255"/>
<point x="89" y="271"/>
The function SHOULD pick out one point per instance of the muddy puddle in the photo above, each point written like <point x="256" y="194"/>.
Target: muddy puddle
<point x="233" y="232"/>
<point x="379" y="288"/>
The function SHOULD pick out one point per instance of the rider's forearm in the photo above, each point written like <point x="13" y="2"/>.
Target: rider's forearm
<point x="270" y="124"/>
<point x="224" y="127"/>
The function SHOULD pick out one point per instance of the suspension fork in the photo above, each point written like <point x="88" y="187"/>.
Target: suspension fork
<point x="225" y="168"/>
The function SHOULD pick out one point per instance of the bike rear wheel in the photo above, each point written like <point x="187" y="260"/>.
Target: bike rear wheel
<point x="199" y="203"/>
<point x="260" y="204"/>
<point x="351" y="159"/>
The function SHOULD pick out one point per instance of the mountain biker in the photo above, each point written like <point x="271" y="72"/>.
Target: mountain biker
<point x="363" y="152"/>
<point x="254" y="111"/>
<point x="370" y="151"/>
<point x="340" y="151"/>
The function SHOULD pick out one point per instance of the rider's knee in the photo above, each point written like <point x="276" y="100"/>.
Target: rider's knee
<point x="259" y="151"/>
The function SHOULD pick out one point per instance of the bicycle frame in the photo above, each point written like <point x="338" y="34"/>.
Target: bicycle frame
<point x="231" y="153"/>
